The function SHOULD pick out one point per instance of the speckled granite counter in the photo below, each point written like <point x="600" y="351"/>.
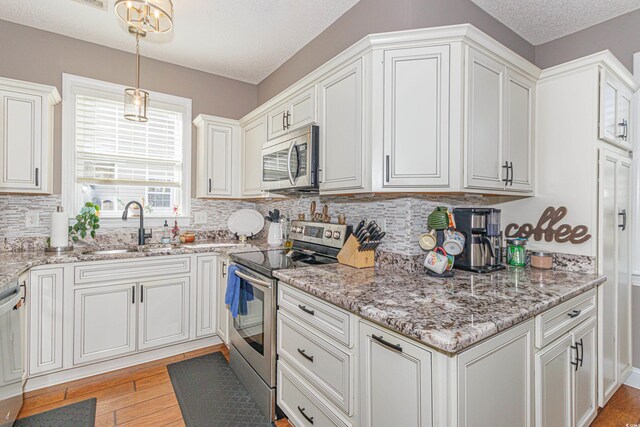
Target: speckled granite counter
<point x="12" y="264"/>
<point x="446" y="314"/>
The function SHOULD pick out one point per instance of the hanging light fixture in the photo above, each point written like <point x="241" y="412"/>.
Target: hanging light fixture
<point x="149" y="16"/>
<point x="136" y="100"/>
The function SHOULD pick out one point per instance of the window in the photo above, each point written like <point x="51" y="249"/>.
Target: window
<point x="110" y="161"/>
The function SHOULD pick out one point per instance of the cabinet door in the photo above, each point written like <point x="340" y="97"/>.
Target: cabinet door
<point x="277" y="121"/>
<point x="20" y="141"/>
<point x="625" y="117"/>
<point x="586" y="391"/>
<point x="416" y="117"/>
<point x="163" y="317"/>
<point x="254" y="135"/>
<point x="341" y="137"/>
<point x="104" y="322"/>
<point x="484" y="122"/>
<point x="219" y="157"/>
<point x="519" y="109"/>
<point x="395" y="380"/>
<point x="44" y="302"/>
<point x="623" y="277"/>
<point x="207" y="296"/>
<point x="497" y="374"/>
<point x="222" y="312"/>
<point x="554" y="383"/>
<point x="609" y="94"/>
<point x="302" y="109"/>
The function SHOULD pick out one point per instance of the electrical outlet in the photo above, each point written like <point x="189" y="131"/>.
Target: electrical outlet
<point x="32" y="219"/>
<point x="200" y="218"/>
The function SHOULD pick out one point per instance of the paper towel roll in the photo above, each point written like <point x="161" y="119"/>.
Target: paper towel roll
<point x="59" y="229"/>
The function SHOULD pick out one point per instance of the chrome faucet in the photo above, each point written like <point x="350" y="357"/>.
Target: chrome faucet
<point x="141" y="233"/>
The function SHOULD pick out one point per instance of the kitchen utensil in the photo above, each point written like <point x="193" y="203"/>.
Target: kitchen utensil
<point x="428" y="240"/>
<point x="359" y="227"/>
<point x="245" y="221"/>
<point x="189" y="237"/>
<point x="437" y="261"/>
<point x="516" y="251"/>
<point x="312" y="209"/>
<point x="342" y="219"/>
<point x="275" y="237"/>
<point x="454" y="243"/>
<point x="325" y="214"/>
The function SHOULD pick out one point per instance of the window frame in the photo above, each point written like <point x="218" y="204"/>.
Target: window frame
<point x="73" y="85"/>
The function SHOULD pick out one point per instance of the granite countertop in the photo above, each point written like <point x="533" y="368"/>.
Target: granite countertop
<point x="448" y="315"/>
<point x="12" y="264"/>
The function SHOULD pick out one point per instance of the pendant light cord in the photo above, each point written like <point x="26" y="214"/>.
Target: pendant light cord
<point x="137" y="62"/>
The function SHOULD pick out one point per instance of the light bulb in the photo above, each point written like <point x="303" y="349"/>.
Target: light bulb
<point x="129" y="4"/>
<point x="156" y="13"/>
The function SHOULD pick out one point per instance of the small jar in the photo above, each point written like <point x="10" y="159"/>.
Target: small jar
<point x="542" y="260"/>
<point x="516" y="251"/>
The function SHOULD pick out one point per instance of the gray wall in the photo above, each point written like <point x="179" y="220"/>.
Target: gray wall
<point x="377" y="16"/>
<point x="41" y="57"/>
<point x="620" y="35"/>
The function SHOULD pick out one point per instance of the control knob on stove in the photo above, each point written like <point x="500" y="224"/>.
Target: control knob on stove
<point x="328" y="234"/>
<point x="336" y="235"/>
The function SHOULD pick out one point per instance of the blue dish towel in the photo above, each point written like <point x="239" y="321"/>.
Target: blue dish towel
<point x="238" y="293"/>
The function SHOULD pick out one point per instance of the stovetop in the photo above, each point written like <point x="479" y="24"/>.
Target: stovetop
<point x="265" y="262"/>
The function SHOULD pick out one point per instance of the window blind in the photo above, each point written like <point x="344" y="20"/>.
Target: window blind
<point x="111" y="150"/>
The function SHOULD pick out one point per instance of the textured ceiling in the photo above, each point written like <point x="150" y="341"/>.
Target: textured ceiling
<point x="241" y="39"/>
<point x="540" y="21"/>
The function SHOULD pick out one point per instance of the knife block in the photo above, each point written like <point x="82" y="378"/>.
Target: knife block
<point x="350" y="255"/>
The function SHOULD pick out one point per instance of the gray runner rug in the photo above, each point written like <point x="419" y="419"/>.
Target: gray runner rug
<point x="81" y="414"/>
<point x="210" y="394"/>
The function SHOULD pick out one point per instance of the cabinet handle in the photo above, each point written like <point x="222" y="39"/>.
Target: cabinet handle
<point x="305" y="355"/>
<point x="623" y="214"/>
<point x="506" y="179"/>
<point x="510" y="169"/>
<point x="575" y="363"/>
<point x="386" y="167"/>
<point x="626" y="129"/>
<point x="319" y="180"/>
<point x="622" y="125"/>
<point x="37" y="177"/>
<point x="581" y="357"/>
<point x="141" y="294"/>
<point x="288" y="117"/>
<point x="24" y="294"/>
<point x="574" y="313"/>
<point x="133" y="294"/>
<point x="284" y="121"/>
<point x="224" y="269"/>
<point x="306" y="310"/>
<point x="209" y="185"/>
<point x="308" y="418"/>
<point x="386" y="343"/>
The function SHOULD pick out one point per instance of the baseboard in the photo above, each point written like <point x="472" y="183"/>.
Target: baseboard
<point x="73" y="374"/>
<point x="633" y="380"/>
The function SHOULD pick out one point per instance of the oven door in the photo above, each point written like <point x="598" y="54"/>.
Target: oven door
<point x="291" y="163"/>
<point x="253" y="331"/>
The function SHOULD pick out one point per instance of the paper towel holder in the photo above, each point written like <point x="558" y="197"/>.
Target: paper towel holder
<point x="58" y="249"/>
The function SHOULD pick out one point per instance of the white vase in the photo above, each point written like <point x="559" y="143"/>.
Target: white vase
<point x="275" y="237"/>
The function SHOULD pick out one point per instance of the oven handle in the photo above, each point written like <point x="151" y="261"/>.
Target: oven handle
<point x="292" y="180"/>
<point x="253" y="280"/>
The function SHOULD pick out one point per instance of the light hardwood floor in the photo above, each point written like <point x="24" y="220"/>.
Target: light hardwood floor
<point x="142" y="395"/>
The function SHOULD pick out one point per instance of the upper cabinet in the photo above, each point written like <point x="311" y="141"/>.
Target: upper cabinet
<point x="253" y="139"/>
<point x="615" y="110"/>
<point x="292" y="114"/>
<point x="26" y="137"/>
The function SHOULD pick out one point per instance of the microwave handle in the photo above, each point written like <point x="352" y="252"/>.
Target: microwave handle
<point x="292" y="179"/>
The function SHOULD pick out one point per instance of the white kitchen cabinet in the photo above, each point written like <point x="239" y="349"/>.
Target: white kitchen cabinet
<point x="26" y="137"/>
<point x="519" y="113"/>
<point x="218" y="148"/>
<point x="340" y="106"/>
<point x="163" y="314"/>
<point x="292" y="114"/>
<point x="586" y="376"/>
<point x="416" y="117"/>
<point x="104" y="322"/>
<point x="207" y="278"/>
<point x="44" y="302"/>
<point x="615" y="111"/>
<point x="395" y="380"/>
<point x="494" y="374"/>
<point x="222" y="311"/>
<point x="253" y="139"/>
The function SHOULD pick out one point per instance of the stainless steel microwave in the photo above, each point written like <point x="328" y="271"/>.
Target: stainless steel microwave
<point x="290" y="164"/>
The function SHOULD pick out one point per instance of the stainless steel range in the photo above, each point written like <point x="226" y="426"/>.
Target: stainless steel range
<point x="253" y="332"/>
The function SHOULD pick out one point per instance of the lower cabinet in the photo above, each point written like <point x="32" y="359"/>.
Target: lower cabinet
<point x="395" y="380"/>
<point x="222" y="312"/>
<point x="44" y="303"/>
<point x="566" y="373"/>
<point x="206" y="295"/>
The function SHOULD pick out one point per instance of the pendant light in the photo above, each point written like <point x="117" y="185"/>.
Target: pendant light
<point x="149" y="16"/>
<point x="136" y="100"/>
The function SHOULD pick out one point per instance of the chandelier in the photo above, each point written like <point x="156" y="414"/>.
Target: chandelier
<point x="148" y="16"/>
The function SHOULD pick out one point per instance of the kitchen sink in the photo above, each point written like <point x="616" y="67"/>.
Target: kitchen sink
<point x="111" y="251"/>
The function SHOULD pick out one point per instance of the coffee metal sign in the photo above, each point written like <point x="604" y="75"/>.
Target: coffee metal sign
<point x="544" y="229"/>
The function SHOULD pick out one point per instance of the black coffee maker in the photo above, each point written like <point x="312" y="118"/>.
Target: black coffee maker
<point x="482" y="251"/>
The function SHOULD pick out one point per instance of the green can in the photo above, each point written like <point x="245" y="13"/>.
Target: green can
<point x="516" y="251"/>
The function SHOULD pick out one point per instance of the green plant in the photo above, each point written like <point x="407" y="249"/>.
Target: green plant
<point x="87" y="222"/>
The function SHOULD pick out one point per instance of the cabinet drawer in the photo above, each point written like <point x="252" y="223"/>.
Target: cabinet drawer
<point x="128" y="270"/>
<point x="303" y="406"/>
<point x="321" y="363"/>
<point x="561" y="319"/>
<point x="324" y="317"/>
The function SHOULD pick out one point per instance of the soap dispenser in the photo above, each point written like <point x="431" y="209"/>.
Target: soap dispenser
<point x="166" y="235"/>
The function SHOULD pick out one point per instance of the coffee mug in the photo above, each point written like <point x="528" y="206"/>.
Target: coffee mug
<point x="454" y="242"/>
<point x="428" y="240"/>
<point x="450" y="261"/>
<point x="437" y="261"/>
